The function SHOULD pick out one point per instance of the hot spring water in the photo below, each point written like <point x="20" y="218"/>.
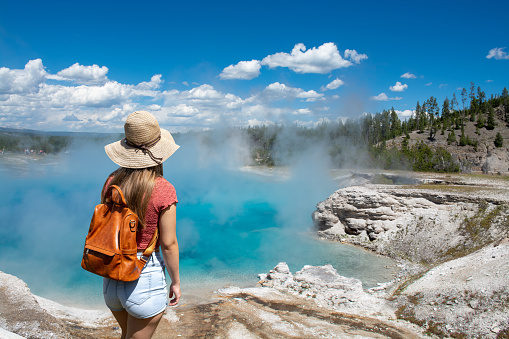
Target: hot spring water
<point x="231" y="224"/>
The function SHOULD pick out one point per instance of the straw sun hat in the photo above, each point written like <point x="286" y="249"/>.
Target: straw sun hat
<point x="145" y="143"/>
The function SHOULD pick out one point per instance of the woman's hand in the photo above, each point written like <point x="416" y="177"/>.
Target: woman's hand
<point x="174" y="294"/>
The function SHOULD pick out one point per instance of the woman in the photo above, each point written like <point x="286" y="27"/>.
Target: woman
<point x="138" y="306"/>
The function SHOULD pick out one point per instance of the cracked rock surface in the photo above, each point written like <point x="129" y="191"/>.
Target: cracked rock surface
<point x="450" y="233"/>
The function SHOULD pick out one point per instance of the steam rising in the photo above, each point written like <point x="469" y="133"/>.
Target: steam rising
<point x="231" y="224"/>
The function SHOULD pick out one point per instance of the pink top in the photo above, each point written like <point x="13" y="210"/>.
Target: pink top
<point x="163" y="196"/>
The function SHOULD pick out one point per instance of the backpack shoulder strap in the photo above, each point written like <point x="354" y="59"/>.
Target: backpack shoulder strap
<point x="116" y="197"/>
<point x="151" y="247"/>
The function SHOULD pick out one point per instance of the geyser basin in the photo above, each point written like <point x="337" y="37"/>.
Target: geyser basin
<point x="231" y="225"/>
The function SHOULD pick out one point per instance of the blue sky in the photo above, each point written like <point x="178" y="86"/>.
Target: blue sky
<point x="75" y="66"/>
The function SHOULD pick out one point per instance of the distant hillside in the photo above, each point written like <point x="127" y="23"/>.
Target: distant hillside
<point x="40" y="142"/>
<point x="21" y="131"/>
<point x="480" y="154"/>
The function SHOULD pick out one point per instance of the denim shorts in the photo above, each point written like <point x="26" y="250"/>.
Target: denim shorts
<point x="142" y="298"/>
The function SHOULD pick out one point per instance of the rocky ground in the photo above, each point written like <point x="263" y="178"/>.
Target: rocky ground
<point x="449" y="233"/>
<point x="259" y="312"/>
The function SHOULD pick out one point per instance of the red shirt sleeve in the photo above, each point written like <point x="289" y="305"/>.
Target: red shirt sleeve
<point x="163" y="195"/>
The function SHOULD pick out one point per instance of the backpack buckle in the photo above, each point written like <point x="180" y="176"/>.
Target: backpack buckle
<point x="132" y="225"/>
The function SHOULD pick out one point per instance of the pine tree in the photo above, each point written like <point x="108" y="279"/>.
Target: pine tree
<point x="404" y="143"/>
<point x="420" y="114"/>
<point x="463" y="99"/>
<point x="490" y="124"/>
<point x="404" y="125"/>
<point x="386" y="125"/>
<point x="473" y="101"/>
<point x="395" y="124"/>
<point x="463" y="139"/>
<point x="454" y="102"/>
<point x="505" y="102"/>
<point x="480" y="120"/>
<point x="481" y="96"/>
<point x="451" y="137"/>
<point x="433" y="112"/>
<point x="499" y="141"/>
<point x="445" y="117"/>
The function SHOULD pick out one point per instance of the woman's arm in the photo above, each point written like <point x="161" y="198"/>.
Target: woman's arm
<point x="170" y="250"/>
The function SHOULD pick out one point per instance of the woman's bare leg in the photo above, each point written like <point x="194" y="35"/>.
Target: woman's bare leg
<point x="142" y="328"/>
<point x="121" y="317"/>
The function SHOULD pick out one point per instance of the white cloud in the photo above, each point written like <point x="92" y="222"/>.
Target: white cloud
<point x="88" y="75"/>
<point x="183" y="110"/>
<point x="111" y="93"/>
<point x="333" y="85"/>
<point x="29" y="99"/>
<point x="323" y="59"/>
<point x="399" y="87"/>
<point x="408" y="75"/>
<point x="92" y="96"/>
<point x="22" y="80"/>
<point x="302" y="111"/>
<point x="354" y="56"/>
<point x="310" y="96"/>
<point x="429" y="84"/>
<point x="261" y="111"/>
<point x="383" y="97"/>
<point x="498" y="54"/>
<point x="244" y="70"/>
<point x="256" y="122"/>
<point x="278" y="91"/>
<point x="204" y="92"/>
<point x="314" y="124"/>
<point x="154" y="83"/>
<point x="406" y="113"/>
<point x="154" y="107"/>
<point x="117" y="113"/>
<point x="199" y="106"/>
<point x="30" y="102"/>
<point x="380" y="97"/>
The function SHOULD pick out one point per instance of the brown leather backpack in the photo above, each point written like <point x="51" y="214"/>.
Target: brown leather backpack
<point x="110" y="247"/>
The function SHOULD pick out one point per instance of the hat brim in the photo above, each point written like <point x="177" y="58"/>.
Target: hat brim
<point x="129" y="157"/>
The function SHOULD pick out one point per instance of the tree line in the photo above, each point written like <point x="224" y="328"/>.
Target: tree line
<point x="368" y="134"/>
<point x="20" y="142"/>
<point x="430" y="117"/>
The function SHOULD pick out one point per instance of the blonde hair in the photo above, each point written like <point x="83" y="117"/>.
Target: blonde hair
<point x="137" y="185"/>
